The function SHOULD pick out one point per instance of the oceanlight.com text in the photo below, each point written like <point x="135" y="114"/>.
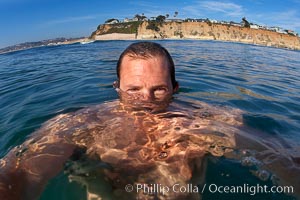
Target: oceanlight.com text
<point x="211" y="188"/>
<point x="250" y="189"/>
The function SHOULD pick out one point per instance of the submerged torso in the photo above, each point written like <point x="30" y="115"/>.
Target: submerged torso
<point x="137" y="147"/>
<point x="142" y="147"/>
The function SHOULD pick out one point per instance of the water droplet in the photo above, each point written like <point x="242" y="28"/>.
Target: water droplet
<point x="177" y="128"/>
<point x="274" y="179"/>
<point x="166" y="145"/>
<point x="196" y="126"/>
<point x="246" y="152"/>
<point x="263" y="175"/>
<point x="162" y="155"/>
<point x="205" y="114"/>
<point x="249" y="161"/>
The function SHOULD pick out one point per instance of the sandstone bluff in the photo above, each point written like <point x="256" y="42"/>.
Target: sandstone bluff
<point x="198" y="30"/>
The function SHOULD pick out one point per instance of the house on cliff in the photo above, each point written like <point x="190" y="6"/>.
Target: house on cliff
<point x="236" y="24"/>
<point x="173" y="20"/>
<point x="135" y="19"/>
<point x="112" y="21"/>
<point x="290" y="32"/>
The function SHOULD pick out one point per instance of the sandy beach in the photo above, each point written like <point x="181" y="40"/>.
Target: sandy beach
<point x="116" y="36"/>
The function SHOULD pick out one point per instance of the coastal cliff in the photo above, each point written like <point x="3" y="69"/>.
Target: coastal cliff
<point x="206" y="31"/>
<point x="200" y="30"/>
<point x="124" y="30"/>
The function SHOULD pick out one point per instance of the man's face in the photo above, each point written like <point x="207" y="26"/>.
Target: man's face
<point x="146" y="80"/>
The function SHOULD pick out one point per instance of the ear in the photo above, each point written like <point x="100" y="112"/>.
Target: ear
<point x="176" y="87"/>
<point x="116" y="84"/>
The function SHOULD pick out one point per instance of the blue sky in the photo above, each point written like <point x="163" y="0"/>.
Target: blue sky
<point x="34" y="20"/>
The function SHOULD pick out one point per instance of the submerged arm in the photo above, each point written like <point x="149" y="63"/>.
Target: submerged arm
<point x="26" y="169"/>
<point x="23" y="176"/>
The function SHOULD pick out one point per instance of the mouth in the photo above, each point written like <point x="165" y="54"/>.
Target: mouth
<point x="149" y="107"/>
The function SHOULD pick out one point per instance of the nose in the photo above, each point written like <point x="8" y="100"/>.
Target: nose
<point x="147" y="95"/>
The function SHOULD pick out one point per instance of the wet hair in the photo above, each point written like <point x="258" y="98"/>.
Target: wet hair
<point x="145" y="50"/>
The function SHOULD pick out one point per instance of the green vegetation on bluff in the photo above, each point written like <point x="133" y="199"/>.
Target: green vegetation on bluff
<point x="124" y="27"/>
<point x="128" y="27"/>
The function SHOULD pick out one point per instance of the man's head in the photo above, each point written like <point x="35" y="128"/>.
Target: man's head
<point x="147" y="69"/>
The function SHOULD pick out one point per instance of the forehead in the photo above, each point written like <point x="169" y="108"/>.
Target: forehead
<point x="153" y="64"/>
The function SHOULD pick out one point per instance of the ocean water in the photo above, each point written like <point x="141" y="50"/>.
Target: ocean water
<point x="38" y="84"/>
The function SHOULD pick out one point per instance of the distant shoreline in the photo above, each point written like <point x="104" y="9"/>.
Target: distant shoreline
<point x="49" y="42"/>
<point x="120" y="36"/>
<point x="123" y="36"/>
<point x="111" y="36"/>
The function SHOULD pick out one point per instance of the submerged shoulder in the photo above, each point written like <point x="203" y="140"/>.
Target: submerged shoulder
<point x="201" y="111"/>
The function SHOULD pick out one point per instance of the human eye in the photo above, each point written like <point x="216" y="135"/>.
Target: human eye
<point x="160" y="90"/>
<point x="133" y="90"/>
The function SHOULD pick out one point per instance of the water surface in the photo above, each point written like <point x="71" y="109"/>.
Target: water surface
<point x="40" y="83"/>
